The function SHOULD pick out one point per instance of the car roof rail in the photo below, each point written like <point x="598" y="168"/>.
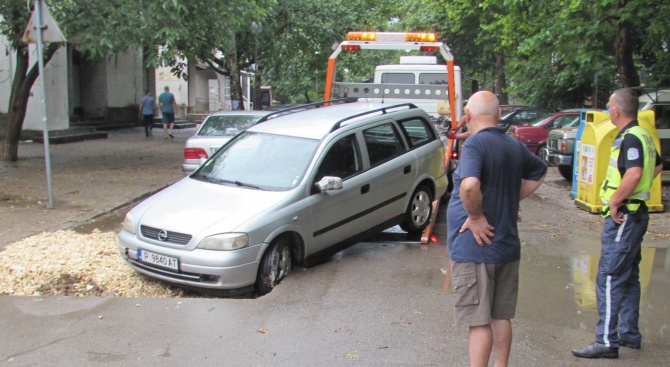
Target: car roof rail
<point x="303" y="107"/>
<point x="382" y="111"/>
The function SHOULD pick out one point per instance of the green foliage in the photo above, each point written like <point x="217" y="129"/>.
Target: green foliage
<point x="545" y="52"/>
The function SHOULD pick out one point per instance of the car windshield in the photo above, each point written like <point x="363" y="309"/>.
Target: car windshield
<point x="506" y="113"/>
<point x="541" y="119"/>
<point x="260" y="161"/>
<point x="570" y="122"/>
<point x="227" y="125"/>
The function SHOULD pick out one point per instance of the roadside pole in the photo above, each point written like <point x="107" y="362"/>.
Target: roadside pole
<point x="53" y="34"/>
<point x="45" y="125"/>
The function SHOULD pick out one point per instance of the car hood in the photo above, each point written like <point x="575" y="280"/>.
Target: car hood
<point x="195" y="207"/>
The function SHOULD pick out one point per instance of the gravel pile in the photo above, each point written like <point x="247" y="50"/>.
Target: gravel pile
<point x="66" y="263"/>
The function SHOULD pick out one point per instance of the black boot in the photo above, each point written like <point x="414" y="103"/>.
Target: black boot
<point x="597" y="350"/>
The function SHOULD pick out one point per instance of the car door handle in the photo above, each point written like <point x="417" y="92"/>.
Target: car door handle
<point x="407" y="169"/>
<point x="365" y="189"/>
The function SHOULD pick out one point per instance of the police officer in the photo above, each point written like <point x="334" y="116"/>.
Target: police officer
<point x="634" y="163"/>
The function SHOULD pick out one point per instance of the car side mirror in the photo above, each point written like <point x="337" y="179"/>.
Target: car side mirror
<point x="328" y="183"/>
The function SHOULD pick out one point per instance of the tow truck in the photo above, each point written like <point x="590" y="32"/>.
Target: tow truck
<point x="447" y="98"/>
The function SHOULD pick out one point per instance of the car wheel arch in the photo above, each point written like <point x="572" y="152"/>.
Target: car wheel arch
<point x="295" y="242"/>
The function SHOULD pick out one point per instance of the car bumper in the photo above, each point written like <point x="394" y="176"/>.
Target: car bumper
<point x="197" y="268"/>
<point x="189" y="168"/>
<point x="559" y="159"/>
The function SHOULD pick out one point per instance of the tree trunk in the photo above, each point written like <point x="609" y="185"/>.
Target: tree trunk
<point x="230" y="50"/>
<point x="623" y="53"/>
<point x="18" y="100"/>
<point x="500" y="76"/>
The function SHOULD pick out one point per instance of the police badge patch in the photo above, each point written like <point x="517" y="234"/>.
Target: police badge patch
<point x="633" y="154"/>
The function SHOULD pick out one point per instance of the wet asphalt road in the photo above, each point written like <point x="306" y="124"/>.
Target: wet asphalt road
<point x="379" y="303"/>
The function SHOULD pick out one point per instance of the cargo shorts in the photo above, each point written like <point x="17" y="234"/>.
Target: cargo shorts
<point x="484" y="292"/>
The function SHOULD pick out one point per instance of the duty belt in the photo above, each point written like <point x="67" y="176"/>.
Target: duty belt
<point x="629" y="206"/>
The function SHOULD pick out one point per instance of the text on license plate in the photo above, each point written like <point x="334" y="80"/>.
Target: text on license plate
<point x="156" y="259"/>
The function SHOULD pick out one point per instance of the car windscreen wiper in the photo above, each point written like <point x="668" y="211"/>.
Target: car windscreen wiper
<point x="242" y="184"/>
<point x="202" y="177"/>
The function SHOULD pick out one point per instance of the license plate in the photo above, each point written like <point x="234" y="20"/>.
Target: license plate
<point x="156" y="259"/>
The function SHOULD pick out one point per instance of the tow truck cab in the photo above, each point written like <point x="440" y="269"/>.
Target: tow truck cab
<point x="420" y="70"/>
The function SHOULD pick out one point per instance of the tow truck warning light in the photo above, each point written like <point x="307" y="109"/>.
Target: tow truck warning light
<point x="391" y="37"/>
<point x="351" y="48"/>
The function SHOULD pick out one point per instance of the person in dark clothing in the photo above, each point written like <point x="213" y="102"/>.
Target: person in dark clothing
<point x="495" y="172"/>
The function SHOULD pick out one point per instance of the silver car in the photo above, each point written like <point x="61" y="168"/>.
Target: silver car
<point x="296" y="186"/>
<point x="216" y="130"/>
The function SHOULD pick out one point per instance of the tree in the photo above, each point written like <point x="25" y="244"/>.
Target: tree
<point x="169" y="30"/>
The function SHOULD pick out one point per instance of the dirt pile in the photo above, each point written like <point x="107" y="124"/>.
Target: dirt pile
<point x="66" y="263"/>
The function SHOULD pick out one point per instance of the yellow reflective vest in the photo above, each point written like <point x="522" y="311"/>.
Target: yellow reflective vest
<point x="613" y="178"/>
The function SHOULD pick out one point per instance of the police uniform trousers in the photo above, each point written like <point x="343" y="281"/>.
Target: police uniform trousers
<point x="618" y="281"/>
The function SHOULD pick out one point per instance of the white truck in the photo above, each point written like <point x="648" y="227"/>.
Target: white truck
<point x="420" y="70"/>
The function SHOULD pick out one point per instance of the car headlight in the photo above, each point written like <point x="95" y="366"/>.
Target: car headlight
<point x="129" y="223"/>
<point x="225" y="242"/>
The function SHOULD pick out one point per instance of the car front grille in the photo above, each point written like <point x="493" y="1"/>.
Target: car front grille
<point x="552" y="144"/>
<point x="165" y="236"/>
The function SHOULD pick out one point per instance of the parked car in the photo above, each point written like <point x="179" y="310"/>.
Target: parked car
<point x="216" y="130"/>
<point x="297" y="185"/>
<point x="521" y="116"/>
<point x="534" y="135"/>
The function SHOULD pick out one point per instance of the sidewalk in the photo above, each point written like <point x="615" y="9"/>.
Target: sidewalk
<point x="89" y="179"/>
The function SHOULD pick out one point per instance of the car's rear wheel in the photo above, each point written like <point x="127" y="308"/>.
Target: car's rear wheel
<point x="275" y="266"/>
<point x="543" y="152"/>
<point x="418" y="211"/>
<point x="566" y="172"/>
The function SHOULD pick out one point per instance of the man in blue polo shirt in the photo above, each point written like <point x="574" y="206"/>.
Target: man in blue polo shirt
<point x="495" y="172"/>
<point x="168" y="109"/>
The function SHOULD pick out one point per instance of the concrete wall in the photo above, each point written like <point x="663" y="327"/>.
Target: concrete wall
<point x="7" y="62"/>
<point x="56" y="81"/>
<point x="124" y="85"/>
<point x="93" y="89"/>
<point x="56" y="87"/>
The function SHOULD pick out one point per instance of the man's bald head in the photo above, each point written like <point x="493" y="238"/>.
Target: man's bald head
<point x="482" y="111"/>
<point x="483" y="103"/>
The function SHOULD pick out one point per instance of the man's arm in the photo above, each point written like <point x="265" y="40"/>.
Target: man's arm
<point x="529" y="186"/>
<point x="471" y="196"/>
<point x="629" y="181"/>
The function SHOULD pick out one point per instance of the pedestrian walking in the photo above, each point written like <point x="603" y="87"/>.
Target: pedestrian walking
<point x="147" y="112"/>
<point x="168" y="110"/>
<point x="634" y="163"/>
<point x="495" y="172"/>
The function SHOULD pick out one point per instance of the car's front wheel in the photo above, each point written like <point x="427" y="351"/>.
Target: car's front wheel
<point x="275" y="266"/>
<point x="418" y="211"/>
<point x="566" y="172"/>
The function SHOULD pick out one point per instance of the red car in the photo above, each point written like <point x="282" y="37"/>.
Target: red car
<point x="534" y="134"/>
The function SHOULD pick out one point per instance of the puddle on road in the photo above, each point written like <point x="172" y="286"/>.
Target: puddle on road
<point x="107" y="223"/>
<point x="560" y="292"/>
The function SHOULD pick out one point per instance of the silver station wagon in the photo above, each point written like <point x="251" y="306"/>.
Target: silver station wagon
<point x="300" y="184"/>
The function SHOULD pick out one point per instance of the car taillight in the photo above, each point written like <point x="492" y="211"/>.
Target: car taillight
<point x="454" y="154"/>
<point x="195" y="153"/>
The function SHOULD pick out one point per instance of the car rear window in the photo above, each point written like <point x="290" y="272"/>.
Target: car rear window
<point x="227" y="125"/>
